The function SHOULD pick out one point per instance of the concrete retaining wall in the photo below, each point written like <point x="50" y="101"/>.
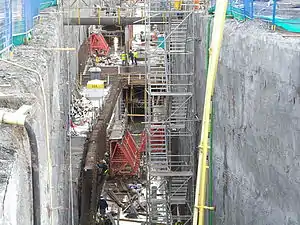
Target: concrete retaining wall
<point x="256" y="129"/>
<point x="24" y="87"/>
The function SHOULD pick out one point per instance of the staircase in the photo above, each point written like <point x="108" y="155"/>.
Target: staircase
<point x="169" y="99"/>
<point x="158" y="151"/>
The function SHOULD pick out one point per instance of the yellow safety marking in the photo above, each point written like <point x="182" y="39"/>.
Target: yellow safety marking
<point x="78" y="11"/>
<point x="206" y="207"/>
<point x="119" y="15"/>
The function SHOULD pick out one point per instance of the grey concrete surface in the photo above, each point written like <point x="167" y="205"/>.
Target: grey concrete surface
<point x="15" y="176"/>
<point x="256" y="129"/>
<point x="53" y="66"/>
<point x="77" y="146"/>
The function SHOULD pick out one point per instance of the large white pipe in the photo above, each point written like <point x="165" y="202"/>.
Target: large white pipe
<point x="12" y="118"/>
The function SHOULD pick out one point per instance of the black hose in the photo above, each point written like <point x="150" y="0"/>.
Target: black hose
<point x="35" y="174"/>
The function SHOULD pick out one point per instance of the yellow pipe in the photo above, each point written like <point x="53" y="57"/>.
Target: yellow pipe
<point x="133" y="115"/>
<point x="99" y="15"/>
<point x="217" y="37"/>
<point x="131" y="99"/>
<point x="80" y="79"/>
<point x="119" y="15"/>
<point x="78" y="11"/>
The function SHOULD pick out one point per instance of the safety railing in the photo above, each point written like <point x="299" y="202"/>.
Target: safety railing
<point x="284" y="13"/>
<point x="95" y="12"/>
<point x="5" y="25"/>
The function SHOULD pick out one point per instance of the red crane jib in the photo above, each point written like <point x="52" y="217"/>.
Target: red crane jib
<point x="98" y="42"/>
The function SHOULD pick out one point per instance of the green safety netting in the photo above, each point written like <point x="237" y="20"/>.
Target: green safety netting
<point x="23" y="14"/>
<point x="292" y="25"/>
<point x="47" y="3"/>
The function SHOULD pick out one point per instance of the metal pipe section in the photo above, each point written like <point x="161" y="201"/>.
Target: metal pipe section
<point x="35" y="174"/>
<point x="109" y="21"/>
<point x="20" y="119"/>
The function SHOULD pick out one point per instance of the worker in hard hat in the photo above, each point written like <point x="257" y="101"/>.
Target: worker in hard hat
<point x="103" y="165"/>
<point x="123" y="58"/>
<point x="135" y="56"/>
<point x="178" y="223"/>
<point x="106" y="157"/>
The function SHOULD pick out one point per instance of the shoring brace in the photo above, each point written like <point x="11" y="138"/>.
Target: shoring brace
<point x="212" y="208"/>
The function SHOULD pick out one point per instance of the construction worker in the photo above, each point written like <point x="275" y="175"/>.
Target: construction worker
<point x="114" y="12"/>
<point x="123" y="58"/>
<point x="142" y="36"/>
<point x="102" y="206"/>
<point x="103" y="165"/>
<point x="97" y="8"/>
<point x="131" y="57"/>
<point x="135" y="56"/>
<point x="178" y="223"/>
<point x="106" y="157"/>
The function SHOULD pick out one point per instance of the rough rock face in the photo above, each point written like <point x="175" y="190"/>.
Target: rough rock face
<point x="20" y="86"/>
<point x="256" y="126"/>
<point x="15" y="176"/>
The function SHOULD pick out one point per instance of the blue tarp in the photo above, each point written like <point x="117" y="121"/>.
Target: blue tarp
<point x="5" y="25"/>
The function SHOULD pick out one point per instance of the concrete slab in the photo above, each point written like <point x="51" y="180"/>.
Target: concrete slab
<point x="118" y="130"/>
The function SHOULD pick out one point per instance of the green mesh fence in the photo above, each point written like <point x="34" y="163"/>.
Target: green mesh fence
<point x="282" y="14"/>
<point x="47" y="3"/>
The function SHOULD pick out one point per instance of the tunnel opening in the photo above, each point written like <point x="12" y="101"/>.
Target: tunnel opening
<point x="134" y="98"/>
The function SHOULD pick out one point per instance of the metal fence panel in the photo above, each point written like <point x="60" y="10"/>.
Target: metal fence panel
<point x="18" y="21"/>
<point x="35" y="8"/>
<point x="5" y="25"/>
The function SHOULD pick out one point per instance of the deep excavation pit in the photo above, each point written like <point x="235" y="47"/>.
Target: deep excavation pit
<point x="254" y="175"/>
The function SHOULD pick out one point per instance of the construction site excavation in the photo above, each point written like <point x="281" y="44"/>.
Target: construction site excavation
<point x="152" y="112"/>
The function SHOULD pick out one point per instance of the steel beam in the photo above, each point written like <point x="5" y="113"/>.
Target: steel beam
<point x="108" y="20"/>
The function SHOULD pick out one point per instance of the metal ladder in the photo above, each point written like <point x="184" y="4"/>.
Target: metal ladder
<point x="180" y="88"/>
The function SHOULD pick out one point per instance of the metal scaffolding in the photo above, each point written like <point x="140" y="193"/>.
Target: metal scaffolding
<point x="170" y="111"/>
